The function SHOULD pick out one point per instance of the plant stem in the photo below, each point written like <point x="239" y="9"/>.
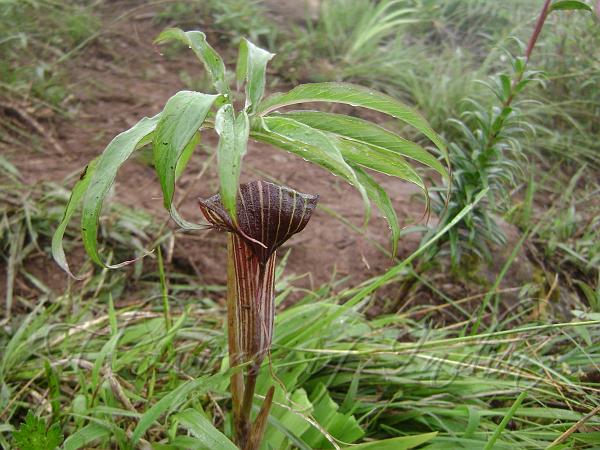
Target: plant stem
<point x="250" y="309"/>
<point x="237" y="388"/>
<point x="538" y="28"/>
<point x="539" y="24"/>
<point x="246" y="411"/>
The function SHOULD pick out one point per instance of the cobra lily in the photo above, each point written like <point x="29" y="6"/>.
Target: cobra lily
<point x="259" y="216"/>
<point x="267" y="216"/>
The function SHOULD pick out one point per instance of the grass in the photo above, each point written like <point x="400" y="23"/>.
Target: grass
<point x="36" y="38"/>
<point x="109" y="363"/>
<point x="395" y="375"/>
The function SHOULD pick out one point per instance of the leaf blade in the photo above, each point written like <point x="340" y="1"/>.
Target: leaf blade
<point x="233" y="138"/>
<point x="200" y="427"/>
<point x="180" y="119"/>
<point x="368" y="133"/>
<point x="103" y="177"/>
<point x="569" y="5"/>
<point x="353" y="95"/>
<point x="379" y="196"/>
<point x="252" y="68"/>
<point x="58" y="251"/>
<point x="375" y="159"/>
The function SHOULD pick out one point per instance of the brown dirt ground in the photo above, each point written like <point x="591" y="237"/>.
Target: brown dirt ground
<point x="119" y="78"/>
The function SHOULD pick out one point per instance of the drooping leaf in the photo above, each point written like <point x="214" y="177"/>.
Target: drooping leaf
<point x="313" y="145"/>
<point x="233" y="138"/>
<point x="379" y="196"/>
<point x="379" y="160"/>
<point x="353" y="95"/>
<point x="251" y="69"/>
<point x="368" y="133"/>
<point x="102" y="178"/>
<point x="179" y="121"/>
<point x="196" y="40"/>
<point x="569" y="5"/>
<point x="58" y="251"/>
<point x="187" y="153"/>
<point x="204" y="430"/>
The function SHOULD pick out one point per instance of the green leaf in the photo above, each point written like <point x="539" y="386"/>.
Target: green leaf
<point x="107" y="349"/>
<point x="32" y="435"/>
<point x="196" y="40"/>
<point x="58" y="251"/>
<point x="569" y="5"/>
<point x="314" y="146"/>
<point x="233" y="139"/>
<point x="379" y="196"/>
<point x="342" y="427"/>
<point x="251" y="68"/>
<point x="380" y="160"/>
<point x="367" y="133"/>
<point x="399" y="443"/>
<point x="187" y="153"/>
<point x="288" y="424"/>
<point x="179" y="122"/>
<point x="172" y="400"/>
<point x="200" y="427"/>
<point x="86" y="435"/>
<point x="354" y="95"/>
<point x="102" y="178"/>
<point x="181" y="443"/>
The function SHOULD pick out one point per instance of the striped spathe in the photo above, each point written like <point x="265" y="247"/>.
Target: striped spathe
<point x="267" y="216"/>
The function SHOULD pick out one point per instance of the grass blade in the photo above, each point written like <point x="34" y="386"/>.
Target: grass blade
<point x="200" y="427"/>
<point x="505" y="420"/>
<point x="85" y="436"/>
<point x="399" y="443"/>
<point x="172" y="400"/>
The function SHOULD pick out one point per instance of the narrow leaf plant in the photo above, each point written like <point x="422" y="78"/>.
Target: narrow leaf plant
<point x="258" y="216"/>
